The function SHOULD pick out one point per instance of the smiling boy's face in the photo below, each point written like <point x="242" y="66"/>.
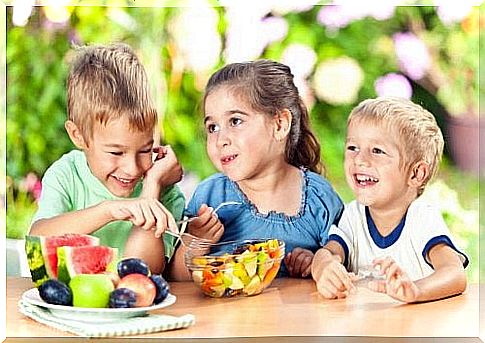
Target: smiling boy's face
<point x="119" y="156"/>
<point x="372" y="166"/>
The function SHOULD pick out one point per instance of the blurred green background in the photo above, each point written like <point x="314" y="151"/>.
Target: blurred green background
<point x="339" y="55"/>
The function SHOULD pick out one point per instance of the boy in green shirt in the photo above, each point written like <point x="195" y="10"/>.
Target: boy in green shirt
<point x="118" y="186"/>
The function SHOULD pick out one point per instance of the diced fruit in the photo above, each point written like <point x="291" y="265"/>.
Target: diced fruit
<point x="55" y="292"/>
<point x="250" y="268"/>
<point x="42" y="253"/>
<point x="254" y="286"/>
<point x="143" y="287"/>
<point x="91" y="290"/>
<point x="84" y="260"/>
<point x="236" y="283"/>
<point x="162" y="288"/>
<point x="122" y="298"/>
<point x="132" y="266"/>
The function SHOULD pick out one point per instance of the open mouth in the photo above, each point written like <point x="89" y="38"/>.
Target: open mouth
<point x="365" y="180"/>
<point x="123" y="180"/>
<point x="228" y="159"/>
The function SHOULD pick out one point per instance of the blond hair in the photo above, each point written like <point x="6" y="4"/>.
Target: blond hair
<point x="416" y="129"/>
<point x="108" y="82"/>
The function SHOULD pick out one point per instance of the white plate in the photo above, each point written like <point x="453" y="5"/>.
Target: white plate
<point x="92" y="314"/>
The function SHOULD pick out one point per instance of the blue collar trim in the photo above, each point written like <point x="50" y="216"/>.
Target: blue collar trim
<point x="381" y="241"/>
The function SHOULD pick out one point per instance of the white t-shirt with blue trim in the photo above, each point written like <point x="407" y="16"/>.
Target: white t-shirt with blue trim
<point x="421" y="228"/>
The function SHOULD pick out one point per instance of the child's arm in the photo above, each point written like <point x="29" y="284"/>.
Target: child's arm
<point x="449" y="278"/>
<point x="206" y="226"/>
<point x="299" y="262"/>
<point x="332" y="279"/>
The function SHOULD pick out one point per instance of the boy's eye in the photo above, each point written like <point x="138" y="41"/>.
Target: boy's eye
<point x="235" y="121"/>
<point x="116" y="153"/>
<point x="352" y="148"/>
<point x="147" y="151"/>
<point x="211" y="128"/>
<point x="377" y="151"/>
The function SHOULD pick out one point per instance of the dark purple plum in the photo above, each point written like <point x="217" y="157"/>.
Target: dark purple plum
<point x="132" y="266"/>
<point x="162" y="288"/>
<point x="122" y="298"/>
<point x="55" y="292"/>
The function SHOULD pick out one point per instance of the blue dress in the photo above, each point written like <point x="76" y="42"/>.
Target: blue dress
<point x="320" y="208"/>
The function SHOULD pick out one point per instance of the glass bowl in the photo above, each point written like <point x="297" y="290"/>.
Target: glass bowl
<point x="243" y="267"/>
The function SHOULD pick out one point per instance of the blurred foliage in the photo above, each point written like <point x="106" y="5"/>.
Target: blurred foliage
<point x="37" y="64"/>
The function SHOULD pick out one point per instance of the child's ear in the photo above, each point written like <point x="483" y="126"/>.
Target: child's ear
<point x="75" y="134"/>
<point x="282" y="124"/>
<point x="419" y="174"/>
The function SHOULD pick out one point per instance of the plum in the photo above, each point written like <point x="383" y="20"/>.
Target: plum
<point x="162" y="288"/>
<point x="132" y="266"/>
<point x="122" y="298"/>
<point x="55" y="292"/>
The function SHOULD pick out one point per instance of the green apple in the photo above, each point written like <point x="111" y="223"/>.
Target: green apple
<point x="91" y="290"/>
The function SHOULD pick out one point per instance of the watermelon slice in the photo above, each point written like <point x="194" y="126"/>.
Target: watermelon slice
<point x="85" y="260"/>
<point x="42" y="253"/>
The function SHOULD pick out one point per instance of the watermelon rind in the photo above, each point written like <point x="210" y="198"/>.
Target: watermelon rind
<point x="41" y="253"/>
<point x="35" y="259"/>
<point x="73" y="261"/>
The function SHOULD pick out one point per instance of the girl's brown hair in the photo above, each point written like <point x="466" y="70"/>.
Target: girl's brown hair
<point x="269" y="88"/>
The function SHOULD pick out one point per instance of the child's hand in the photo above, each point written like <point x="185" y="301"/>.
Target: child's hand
<point x="206" y="224"/>
<point x="166" y="169"/>
<point x="397" y="284"/>
<point x="299" y="262"/>
<point x="148" y="214"/>
<point x="334" y="281"/>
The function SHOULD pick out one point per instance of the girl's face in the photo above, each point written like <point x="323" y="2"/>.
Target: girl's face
<point x="372" y="166"/>
<point x="119" y="156"/>
<point x="240" y="141"/>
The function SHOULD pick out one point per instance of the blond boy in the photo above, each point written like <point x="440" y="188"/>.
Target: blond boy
<point x="393" y="148"/>
<point x="117" y="186"/>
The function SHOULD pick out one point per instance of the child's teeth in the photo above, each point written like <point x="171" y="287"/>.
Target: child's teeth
<point x="364" y="178"/>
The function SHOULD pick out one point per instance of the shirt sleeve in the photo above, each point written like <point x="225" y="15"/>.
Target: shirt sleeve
<point x="434" y="231"/>
<point x="174" y="201"/>
<point x="54" y="199"/>
<point x="342" y="233"/>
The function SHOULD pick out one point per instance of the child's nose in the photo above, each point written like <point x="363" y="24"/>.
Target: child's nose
<point x="132" y="166"/>
<point x="362" y="158"/>
<point x="222" y="139"/>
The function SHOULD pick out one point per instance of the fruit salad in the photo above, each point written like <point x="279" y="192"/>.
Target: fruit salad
<point x="247" y="270"/>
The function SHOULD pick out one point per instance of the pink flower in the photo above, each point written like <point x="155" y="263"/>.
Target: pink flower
<point x="393" y="84"/>
<point x="31" y="184"/>
<point x="412" y="54"/>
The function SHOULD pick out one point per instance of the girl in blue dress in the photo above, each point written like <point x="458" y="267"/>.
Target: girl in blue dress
<point x="259" y="138"/>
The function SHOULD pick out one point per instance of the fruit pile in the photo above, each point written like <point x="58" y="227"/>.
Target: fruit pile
<point x="75" y="270"/>
<point x="248" y="270"/>
<point x="131" y="286"/>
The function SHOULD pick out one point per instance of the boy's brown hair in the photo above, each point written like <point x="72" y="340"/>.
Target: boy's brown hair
<point x="416" y="128"/>
<point x="108" y="82"/>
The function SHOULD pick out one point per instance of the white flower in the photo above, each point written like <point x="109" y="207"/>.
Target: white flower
<point x="338" y="81"/>
<point x="21" y="11"/>
<point x="412" y="53"/>
<point x="300" y="58"/>
<point x="451" y="12"/>
<point x="194" y="30"/>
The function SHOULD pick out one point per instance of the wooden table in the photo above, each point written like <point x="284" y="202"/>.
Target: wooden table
<point x="289" y="308"/>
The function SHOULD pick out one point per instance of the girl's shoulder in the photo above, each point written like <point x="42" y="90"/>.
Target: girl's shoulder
<point x="318" y="185"/>
<point x="216" y="180"/>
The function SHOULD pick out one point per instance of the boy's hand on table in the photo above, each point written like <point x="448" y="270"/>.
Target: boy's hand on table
<point x="146" y="213"/>
<point x="299" y="262"/>
<point x="334" y="282"/>
<point x="206" y="225"/>
<point x="166" y="169"/>
<point x="397" y="284"/>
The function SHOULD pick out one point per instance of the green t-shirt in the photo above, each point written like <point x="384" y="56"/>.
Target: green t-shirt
<point x="68" y="185"/>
